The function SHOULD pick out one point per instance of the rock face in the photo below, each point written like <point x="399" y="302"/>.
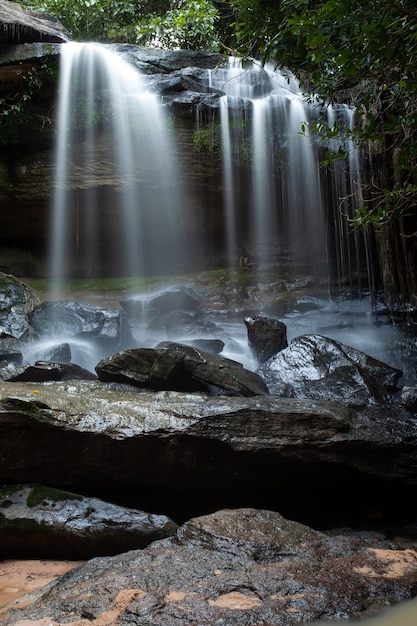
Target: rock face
<point x="18" y="26"/>
<point x="316" y="462"/>
<point x="178" y="367"/>
<point x="235" y="567"/>
<point x="41" y="522"/>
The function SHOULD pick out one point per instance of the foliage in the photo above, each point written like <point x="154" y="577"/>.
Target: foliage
<point x="364" y="51"/>
<point x="18" y="110"/>
<point x="208" y="140"/>
<point x="191" y="25"/>
<point x="98" y="20"/>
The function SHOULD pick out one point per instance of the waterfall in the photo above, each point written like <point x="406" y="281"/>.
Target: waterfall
<point x="117" y="207"/>
<point x="295" y="210"/>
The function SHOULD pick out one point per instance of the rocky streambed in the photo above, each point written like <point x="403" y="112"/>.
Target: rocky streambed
<point x="201" y="491"/>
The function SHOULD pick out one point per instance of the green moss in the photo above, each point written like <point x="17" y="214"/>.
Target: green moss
<point x="40" y="494"/>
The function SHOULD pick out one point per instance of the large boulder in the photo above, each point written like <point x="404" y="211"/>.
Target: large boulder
<point x="317" y="462"/>
<point x="233" y="567"/>
<point x="178" y="367"/>
<point x="42" y="522"/>
<point x="321" y="368"/>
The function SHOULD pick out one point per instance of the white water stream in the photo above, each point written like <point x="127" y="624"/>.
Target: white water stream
<point x="114" y="165"/>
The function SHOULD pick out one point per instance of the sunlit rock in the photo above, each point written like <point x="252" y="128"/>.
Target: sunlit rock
<point x="19" y="26"/>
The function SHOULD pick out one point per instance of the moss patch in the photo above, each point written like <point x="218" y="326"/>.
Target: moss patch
<point x="40" y="494"/>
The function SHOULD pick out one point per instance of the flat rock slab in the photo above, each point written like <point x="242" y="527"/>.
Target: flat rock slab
<point x="241" y="567"/>
<point x="301" y="457"/>
<point x="42" y="522"/>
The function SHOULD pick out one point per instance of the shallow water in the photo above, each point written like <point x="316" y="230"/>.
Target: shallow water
<point x="403" y="614"/>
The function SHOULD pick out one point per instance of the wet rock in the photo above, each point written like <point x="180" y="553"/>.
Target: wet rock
<point x="59" y="353"/>
<point x="235" y="567"/>
<point x="320" y="368"/>
<point x="72" y="319"/>
<point x="178" y="367"/>
<point x="17" y="301"/>
<point x="176" y="298"/>
<point x="179" y="322"/>
<point x="319" y="462"/>
<point x="266" y="336"/>
<point x="10" y="356"/>
<point x="409" y="398"/>
<point x="43" y="371"/>
<point x="160" y="61"/>
<point x="42" y="522"/>
<point x="215" y="346"/>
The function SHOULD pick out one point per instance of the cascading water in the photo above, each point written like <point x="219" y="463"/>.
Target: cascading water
<point x="117" y="209"/>
<point x="290" y="209"/>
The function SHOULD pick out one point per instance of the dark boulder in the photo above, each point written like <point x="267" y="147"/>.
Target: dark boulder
<point x="179" y="367"/>
<point x="320" y="368"/>
<point x="43" y="371"/>
<point x="266" y="336"/>
<point x="409" y="398"/>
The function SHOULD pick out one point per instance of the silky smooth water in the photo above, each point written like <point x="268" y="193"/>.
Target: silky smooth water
<point x="297" y="206"/>
<point x="117" y="206"/>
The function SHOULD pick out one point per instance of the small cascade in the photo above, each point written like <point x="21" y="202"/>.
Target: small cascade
<point x="117" y="207"/>
<point x="294" y="210"/>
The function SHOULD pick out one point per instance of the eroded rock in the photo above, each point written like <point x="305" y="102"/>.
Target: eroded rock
<point x="236" y="567"/>
<point x="18" y="26"/>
